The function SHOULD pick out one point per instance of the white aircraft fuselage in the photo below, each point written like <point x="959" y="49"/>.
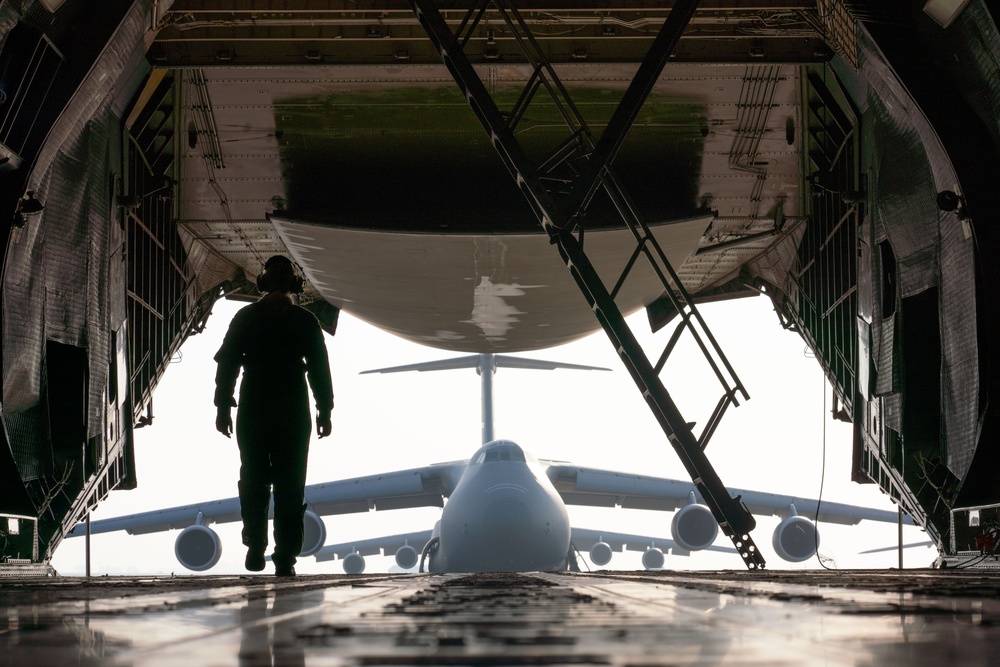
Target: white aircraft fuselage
<point x="503" y="516"/>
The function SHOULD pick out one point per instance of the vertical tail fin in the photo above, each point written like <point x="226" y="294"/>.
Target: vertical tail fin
<point x="486" y="364"/>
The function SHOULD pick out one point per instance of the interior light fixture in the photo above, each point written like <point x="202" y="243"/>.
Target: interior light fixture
<point x="28" y="208"/>
<point x="944" y="11"/>
<point x="52" y="5"/>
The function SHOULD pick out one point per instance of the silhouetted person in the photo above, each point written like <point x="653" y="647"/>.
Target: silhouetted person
<point x="277" y="343"/>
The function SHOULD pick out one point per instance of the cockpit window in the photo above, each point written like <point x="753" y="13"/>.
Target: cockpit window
<point x="502" y="450"/>
<point x="504" y="453"/>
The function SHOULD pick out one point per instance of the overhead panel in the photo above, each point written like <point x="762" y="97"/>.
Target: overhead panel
<point x="195" y="34"/>
<point x="397" y="149"/>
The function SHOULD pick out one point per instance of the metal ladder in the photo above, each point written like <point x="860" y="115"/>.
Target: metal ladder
<point x="560" y="189"/>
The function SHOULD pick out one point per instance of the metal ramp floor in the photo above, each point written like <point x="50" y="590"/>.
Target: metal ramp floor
<point x="801" y="617"/>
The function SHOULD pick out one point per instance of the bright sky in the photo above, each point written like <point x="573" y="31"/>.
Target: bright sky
<point x="774" y="442"/>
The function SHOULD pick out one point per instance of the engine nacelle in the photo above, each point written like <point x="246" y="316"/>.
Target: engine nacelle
<point x="406" y="557"/>
<point x="653" y="559"/>
<point x="600" y="554"/>
<point x="795" y="539"/>
<point x="313" y="533"/>
<point x="694" y="527"/>
<point x="354" y="563"/>
<point x="198" y="548"/>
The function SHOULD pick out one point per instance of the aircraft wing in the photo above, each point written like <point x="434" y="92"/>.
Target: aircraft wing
<point x="375" y="546"/>
<point x="213" y="511"/>
<point x="584" y="538"/>
<point x="416" y="487"/>
<point x="606" y="488"/>
<point x="774" y="504"/>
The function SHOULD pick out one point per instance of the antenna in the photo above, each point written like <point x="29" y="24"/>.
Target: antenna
<point x="486" y="364"/>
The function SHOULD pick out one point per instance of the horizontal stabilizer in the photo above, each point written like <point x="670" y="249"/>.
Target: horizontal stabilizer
<point x="507" y="361"/>
<point x="486" y="361"/>
<point x="440" y="365"/>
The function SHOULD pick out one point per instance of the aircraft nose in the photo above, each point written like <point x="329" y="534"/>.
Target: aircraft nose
<point x="506" y="519"/>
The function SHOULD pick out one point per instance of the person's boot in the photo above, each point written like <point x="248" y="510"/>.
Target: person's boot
<point x="254" y="503"/>
<point x="284" y="564"/>
<point x="284" y="570"/>
<point x="255" y="559"/>
<point x="287" y="538"/>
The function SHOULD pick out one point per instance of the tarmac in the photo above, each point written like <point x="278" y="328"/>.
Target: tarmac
<point x="800" y="617"/>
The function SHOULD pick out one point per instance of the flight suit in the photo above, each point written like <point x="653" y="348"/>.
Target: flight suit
<point x="277" y="344"/>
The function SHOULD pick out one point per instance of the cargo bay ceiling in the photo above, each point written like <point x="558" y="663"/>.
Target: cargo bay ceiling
<point x="778" y="151"/>
<point x="348" y="120"/>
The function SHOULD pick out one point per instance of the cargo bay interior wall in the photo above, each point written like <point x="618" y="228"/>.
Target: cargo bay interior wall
<point x="885" y="289"/>
<point x="98" y="295"/>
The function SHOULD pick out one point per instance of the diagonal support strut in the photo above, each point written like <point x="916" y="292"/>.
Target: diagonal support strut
<point x="560" y="217"/>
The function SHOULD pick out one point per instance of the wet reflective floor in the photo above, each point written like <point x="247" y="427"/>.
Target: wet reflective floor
<point x="913" y="617"/>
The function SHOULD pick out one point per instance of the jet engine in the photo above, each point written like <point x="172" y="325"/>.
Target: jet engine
<point x="600" y="554"/>
<point x="354" y="563"/>
<point x="653" y="559"/>
<point x="406" y="557"/>
<point x="795" y="539"/>
<point x="313" y="533"/>
<point x="198" y="548"/>
<point x="694" y="527"/>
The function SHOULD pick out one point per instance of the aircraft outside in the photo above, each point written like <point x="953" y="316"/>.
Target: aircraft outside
<point x="503" y="509"/>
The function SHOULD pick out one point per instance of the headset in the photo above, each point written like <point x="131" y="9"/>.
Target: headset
<point x="278" y="273"/>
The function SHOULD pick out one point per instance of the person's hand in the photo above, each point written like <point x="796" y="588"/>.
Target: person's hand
<point x="224" y="422"/>
<point x="323" y="424"/>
